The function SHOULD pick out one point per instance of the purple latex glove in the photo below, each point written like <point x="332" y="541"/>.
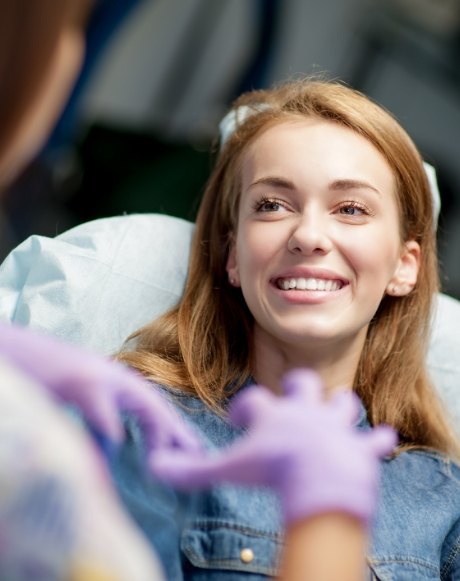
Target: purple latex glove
<point x="101" y="388"/>
<point x="305" y="448"/>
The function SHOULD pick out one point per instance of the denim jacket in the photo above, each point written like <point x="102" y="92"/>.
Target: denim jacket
<point x="232" y="533"/>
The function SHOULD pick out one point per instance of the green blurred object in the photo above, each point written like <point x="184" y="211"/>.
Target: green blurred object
<point x="128" y="172"/>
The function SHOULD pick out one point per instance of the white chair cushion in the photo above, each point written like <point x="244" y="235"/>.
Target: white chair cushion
<point x="98" y="282"/>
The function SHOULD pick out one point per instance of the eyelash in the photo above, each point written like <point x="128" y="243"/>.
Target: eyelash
<point x="357" y="205"/>
<point x="258" y="205"/>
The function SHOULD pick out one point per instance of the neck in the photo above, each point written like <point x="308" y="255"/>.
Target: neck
<point x="336" y="362"/>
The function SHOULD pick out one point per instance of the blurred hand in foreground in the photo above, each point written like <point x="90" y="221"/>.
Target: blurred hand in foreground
<point x="305" y="448"/>
<point x="100" y="387"/>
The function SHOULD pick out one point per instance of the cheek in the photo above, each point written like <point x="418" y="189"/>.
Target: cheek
<point x="256" y="246"/>
<point x="376" y="256"/>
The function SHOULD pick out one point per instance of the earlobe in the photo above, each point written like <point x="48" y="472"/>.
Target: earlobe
<point x="232" y="267"/>
<point x="405" y="277"/>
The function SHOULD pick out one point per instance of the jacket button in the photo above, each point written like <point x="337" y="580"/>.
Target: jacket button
<point x="246" y="555"/>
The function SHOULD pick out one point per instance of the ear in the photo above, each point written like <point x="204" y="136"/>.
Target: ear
<point x="232" y="267"/>
<point x="405" y="276"/>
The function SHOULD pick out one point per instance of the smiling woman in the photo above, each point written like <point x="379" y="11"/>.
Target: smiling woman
<point x="314" y="246"/>
<point x="209" y="338"/>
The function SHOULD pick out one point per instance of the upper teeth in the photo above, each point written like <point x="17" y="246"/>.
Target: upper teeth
<point x="314" y="284"/>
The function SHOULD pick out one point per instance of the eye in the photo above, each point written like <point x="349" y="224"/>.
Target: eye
<point x="269" y="205"/>
<point x="353" y="209"/>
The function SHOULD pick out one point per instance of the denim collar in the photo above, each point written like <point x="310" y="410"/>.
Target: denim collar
<point x="362" y="421"/>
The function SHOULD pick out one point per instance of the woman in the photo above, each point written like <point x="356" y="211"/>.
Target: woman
<point x="314" y="246"/>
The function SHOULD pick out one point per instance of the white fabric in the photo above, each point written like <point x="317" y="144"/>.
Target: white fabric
<point x="444" y="355"/>
<point x="98" y="282"/>
<point x="435" y="194"/>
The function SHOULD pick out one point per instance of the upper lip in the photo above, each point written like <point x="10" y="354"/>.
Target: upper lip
<point x="307" y="272"/>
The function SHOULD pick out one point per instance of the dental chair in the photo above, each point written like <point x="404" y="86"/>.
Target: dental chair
<point x="98" y="282"/>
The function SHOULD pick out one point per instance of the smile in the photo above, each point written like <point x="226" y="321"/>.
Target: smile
<point x="311" y="284"/>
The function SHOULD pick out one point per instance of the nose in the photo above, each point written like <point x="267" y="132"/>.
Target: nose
<point x="310" y="236"/>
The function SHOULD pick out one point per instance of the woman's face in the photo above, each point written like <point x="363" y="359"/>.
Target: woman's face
<point x="318" y="243"/>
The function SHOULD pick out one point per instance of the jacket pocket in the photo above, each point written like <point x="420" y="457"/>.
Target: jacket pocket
<point x="214" y="544"/>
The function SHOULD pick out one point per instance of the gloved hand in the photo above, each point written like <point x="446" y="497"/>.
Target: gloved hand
<point x="101" y="388"/>
<point x="302" y="446"/>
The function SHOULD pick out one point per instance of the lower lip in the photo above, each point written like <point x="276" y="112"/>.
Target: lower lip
<point x="307" y="297"/>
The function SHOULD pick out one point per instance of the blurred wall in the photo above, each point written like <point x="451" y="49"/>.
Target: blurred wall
<point x="170" y="71"/>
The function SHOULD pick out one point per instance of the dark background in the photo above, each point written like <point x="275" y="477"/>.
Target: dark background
<point x="138" y="133"/>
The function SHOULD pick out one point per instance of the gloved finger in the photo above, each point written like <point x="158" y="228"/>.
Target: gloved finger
<point x="382" y="440"/>
<point x="251" y="404"/>
<point x="186" y="471"/>
<point x="303" y="384"/>
<point x="237" y="465"/>
<point x="161" y="425"/>
<point x="172" y="432"/>
<point x="346" y="406"/>
<point x="101" y="413"/>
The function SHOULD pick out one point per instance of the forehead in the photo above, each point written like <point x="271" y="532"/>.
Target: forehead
<point x="307" y="147"/>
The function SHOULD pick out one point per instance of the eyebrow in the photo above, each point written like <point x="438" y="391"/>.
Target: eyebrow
<point x="337" y="185"/>
<point x="274" y="181"/>
<point x="342" y="185"/>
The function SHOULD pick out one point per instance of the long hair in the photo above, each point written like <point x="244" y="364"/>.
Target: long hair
<point x="204" y="345"/>
<point x="29" y="33"/>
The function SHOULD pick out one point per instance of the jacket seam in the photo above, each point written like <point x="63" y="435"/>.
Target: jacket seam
<point x="215" y="524"/>
<point x="399" y="559"/>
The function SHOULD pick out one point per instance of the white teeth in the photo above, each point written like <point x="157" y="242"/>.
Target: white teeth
<point x="313" y="284"/>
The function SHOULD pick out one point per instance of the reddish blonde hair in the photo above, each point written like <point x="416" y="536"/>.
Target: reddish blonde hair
<point x="204" y="344"/>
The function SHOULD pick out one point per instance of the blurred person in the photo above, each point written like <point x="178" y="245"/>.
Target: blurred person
<point x="60" y="518"/>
